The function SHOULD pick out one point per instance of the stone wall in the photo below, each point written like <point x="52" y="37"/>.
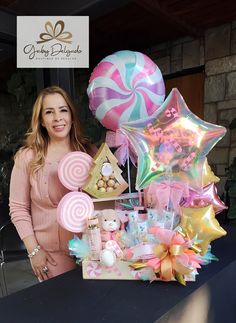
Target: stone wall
<point x="217" y="51"/>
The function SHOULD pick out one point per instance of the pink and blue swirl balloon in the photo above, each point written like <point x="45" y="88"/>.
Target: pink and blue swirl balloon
<point x="125" y="86"/>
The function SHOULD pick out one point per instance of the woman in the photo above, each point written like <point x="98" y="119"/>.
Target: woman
<point x="35" y="189"/>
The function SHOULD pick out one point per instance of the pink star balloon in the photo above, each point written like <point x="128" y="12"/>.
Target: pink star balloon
<point x="208" y="196"/>
<point x="172" y="144"/>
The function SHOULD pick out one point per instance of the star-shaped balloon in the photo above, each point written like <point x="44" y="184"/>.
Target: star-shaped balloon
<point x="208" y="174"/>
<point x="201" y="224"/>
<point x="208" y="196"/>
<point x="172" y="144"/>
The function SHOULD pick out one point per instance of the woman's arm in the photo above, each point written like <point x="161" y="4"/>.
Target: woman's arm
<point x="20" y="212"/>
<point x="19" y="199"/>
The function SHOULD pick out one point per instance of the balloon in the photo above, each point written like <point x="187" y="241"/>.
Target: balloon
<point x="200" y="223"/>
<point x="208" y="175"/>
<point x="208" y="196"/>
<point x="125" y="86"/>
<point x="172" y="144"/>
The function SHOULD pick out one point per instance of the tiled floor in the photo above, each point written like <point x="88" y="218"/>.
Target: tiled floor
<point x="18" y="276"/>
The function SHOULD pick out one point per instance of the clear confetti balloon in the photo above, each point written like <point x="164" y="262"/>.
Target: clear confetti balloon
<point x="172" y="143"/>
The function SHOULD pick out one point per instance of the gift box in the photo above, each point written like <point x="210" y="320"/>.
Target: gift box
<point x="94" y="270"/>
<point x="120" y="271"/>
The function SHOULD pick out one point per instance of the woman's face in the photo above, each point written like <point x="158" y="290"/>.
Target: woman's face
<point x="56" y="117"/>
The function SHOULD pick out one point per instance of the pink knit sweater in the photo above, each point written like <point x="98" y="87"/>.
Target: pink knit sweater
<point x="33" y="203"/>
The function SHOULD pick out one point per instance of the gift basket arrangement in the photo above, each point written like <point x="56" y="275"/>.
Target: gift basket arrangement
<point x="164" y="230"/>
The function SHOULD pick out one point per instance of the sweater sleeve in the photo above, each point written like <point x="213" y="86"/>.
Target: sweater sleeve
<point x="19" y="199"/>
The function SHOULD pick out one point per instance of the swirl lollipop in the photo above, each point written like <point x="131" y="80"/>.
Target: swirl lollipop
<point x="73" y="211"/>
<point x="73" y="170"/>
<point x="125" y="86"/>
<point x="94" y="270"/>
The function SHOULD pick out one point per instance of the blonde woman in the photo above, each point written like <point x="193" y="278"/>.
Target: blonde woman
<point x="35" y="189"/>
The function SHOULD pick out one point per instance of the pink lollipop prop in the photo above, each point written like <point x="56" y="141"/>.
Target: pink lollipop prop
<point x="73" y="170"/>
<point x="73" y="211"/>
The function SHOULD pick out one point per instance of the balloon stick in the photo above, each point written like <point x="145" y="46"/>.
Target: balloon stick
<point x="128" y="170"/>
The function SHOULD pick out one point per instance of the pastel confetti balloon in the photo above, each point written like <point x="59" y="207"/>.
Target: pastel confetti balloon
<point x="172" y="144"/>
<point x="73" y="211"/>
<point x="125" y="86"/>
<point x="73" y="170"/>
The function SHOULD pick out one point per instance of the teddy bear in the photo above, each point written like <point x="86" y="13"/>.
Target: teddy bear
<point x="110" y="224"/>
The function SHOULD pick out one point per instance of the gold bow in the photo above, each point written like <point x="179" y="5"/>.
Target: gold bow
<point x="194" y="247"/>
<point x="167" y="265"/>
<point x="55" y="32"/>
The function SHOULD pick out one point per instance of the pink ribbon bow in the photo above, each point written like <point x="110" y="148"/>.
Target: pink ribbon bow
<point x="120" y="141"/>
<point x="161" y="194"/>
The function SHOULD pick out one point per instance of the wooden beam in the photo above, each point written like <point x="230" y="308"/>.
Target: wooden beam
<point x="160" y="7"/>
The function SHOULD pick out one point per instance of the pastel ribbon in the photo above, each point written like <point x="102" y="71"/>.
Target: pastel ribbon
<point x="140" y="251"/>
<point x="172" y="259"/>
<point x="165" y="193"/>
<point x="109" y="235"/>
<point x="167" y="261"/>
<point x="120" y="141"/>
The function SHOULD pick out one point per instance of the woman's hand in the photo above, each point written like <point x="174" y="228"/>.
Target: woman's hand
<point x="39" y="261"/>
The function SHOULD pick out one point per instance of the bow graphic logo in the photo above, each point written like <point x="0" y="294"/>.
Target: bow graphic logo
<point x="55" y="32"/>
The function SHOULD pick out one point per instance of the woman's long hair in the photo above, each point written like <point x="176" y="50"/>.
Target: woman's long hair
<point x="37" y="137"/>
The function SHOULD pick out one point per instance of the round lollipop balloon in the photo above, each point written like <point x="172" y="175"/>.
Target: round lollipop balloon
<point x="73" y="211"/>
<point x="125" y="86"/>
<point x="73" y="170"/>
